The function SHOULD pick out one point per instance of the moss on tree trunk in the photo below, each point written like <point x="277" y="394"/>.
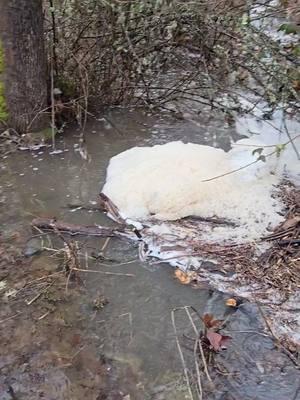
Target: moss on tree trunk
<point x="3" y="107"/>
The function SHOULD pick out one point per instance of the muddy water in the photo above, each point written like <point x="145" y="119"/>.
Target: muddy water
<point x="134" y="330"/>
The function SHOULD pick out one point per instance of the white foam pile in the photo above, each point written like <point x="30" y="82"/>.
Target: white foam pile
<point x="174" y="180"/>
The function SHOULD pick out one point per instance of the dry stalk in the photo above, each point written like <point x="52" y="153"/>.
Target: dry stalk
<point x="103" y="272"/>
<point x="198" y="372"/>
<point x="198" y="340"/>
<point x="9" y="318"/>
<point x="129" y="314"/>
<point x="53" y="126"/>
<point x="84" y="81"/>
<point x="185" y="369"/>
<point x="29" y="302"/>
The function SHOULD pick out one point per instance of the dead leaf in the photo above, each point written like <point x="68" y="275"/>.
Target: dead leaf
<point x="76" y="339"/>
<point x="210" y="321"/>
<point x="290" y="223"/>
<point x="231" y="302"/>
<point x="216" y="340"/>
<point x="296" y="84"/>
<point x="183" y="277"/>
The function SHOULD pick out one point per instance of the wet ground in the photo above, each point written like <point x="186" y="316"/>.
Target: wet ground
<point x="103" y="336"/>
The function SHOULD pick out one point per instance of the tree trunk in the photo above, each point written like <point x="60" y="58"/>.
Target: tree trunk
<point x="24" y="66"/>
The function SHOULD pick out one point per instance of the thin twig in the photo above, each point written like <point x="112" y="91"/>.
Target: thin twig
<point x="11" y="317"/>
<point x="105" y="244"/>
<point x="199" y="344"/>
<point x="102" y="272"/>
<point x="200" y="390"/>
<point x="129" y="314"/>
<point x="253" y="332"/>
<point x="44" y="315"/>
<point x="290" y="138"/>
<point x="185" y="369"/>
<point x="247" y="165"/>
<point x="29" y="302"/>
<point x="52" y="102"/>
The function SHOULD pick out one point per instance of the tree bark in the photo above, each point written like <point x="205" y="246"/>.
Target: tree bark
<point x="25" y="66"/>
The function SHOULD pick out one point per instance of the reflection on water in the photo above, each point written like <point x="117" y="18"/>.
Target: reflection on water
<point x="135" y="327"/>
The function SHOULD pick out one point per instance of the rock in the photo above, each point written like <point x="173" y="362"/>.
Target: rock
<point x="33" y="247"/>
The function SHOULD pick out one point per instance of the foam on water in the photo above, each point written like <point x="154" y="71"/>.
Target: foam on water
<point x="172" y="181"/>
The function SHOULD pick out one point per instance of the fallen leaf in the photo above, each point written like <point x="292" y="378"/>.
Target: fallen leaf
<point x="76" y="339"/>
<point x="210" y="321"/>
<point x="296" y="84"/>
<point x="216" y="340"/>
<point x="290" y="223"/>
<point x="231" y="302"/>
<point x="183" y="277"/>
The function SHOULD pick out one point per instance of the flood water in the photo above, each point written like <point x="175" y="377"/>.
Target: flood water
<point x="135" y="327"/>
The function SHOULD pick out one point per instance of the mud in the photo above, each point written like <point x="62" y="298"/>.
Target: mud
<point x="47" y="350"/>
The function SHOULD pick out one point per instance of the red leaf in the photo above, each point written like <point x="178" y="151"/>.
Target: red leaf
<point x="224" y="340"/>
<point x="210" y="322"/>
<point x="216" y="340"/>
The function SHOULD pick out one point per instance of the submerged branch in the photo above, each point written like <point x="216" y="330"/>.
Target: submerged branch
<point x="89" y="230"/>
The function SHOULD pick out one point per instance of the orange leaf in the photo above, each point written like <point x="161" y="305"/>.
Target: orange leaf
<point x="231" y="302"/>
<point x="184" y="278"/>
<point x="210" y="322"/>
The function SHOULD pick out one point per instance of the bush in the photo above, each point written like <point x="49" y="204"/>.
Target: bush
<point x="118" y="52"/>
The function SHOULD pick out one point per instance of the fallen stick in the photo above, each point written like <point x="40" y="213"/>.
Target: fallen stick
<point x="210" y="220"/>
<point x="77" y="207"/>
<point x="74" y="229"/>
<point x="288" y="242"/>
<point x="278" y="235"/>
